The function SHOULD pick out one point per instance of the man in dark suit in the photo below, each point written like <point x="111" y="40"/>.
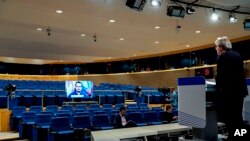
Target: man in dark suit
<point x="79" y="91"/>
<point x="121" y="120"/>
<point x="230" y="86"/>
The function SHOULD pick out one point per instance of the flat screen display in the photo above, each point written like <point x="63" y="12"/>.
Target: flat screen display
<point x="79" y="89"/>
<point x="206" y="72"/>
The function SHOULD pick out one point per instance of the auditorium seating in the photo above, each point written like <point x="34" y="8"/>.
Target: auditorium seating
<point x="82" y="126"/>
<point x="36" y="109"/>
<point x="137" y="118"/>
<point x="26" y="124"/>
<point x="41" y="126"/>
<point x="52" y="108"/>
<point x="81" y="107"/>
<point x="60" y="129"/>
<point x="151" y="118"/>
<point x="16" y="117"/>
<point x="101" y="122"/>
<point x="162" y="116"/>
<point x="157" y="109"/>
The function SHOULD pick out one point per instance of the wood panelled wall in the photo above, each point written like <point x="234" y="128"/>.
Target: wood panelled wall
<point x="164" y="78"/>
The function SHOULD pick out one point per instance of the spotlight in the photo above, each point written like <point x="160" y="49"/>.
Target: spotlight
<point x="155" y="3"/>
<point x="136" y="4"/>
<point x="189" y="9"/>
<point x="247" y="24"/>
<point x="232" y="18"/>
<point x="176" y="11"/>
<point x="214" y="16"/>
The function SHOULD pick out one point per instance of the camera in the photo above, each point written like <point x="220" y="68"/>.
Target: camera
<point x="10" y="87"/>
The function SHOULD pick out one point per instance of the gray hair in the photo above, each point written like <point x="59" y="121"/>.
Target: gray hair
<point x="223" y="42"/>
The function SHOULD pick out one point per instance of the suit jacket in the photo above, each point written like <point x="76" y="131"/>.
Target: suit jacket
<point x="230" y="79"/>
<point x="118" y="121"/>
<point x="83" y="93"/>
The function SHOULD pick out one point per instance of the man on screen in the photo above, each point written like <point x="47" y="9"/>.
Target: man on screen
<point x="79" y="91"/>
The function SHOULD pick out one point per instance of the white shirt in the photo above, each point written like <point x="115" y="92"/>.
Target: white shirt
<point x="124" y="122"/>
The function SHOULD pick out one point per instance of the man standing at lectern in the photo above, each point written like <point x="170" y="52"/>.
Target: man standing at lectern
<point x="230" y="86"/>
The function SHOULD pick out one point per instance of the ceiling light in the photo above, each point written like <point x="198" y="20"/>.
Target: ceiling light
<point x="134" y="54"/>
<point x="187" y="45"/>
<point x="156" y="42"/>
<point x="39" y="29"/>
<point x="83" y="35"/>
<point x="157" y="27"/>
<point x="214" y="16"/>
<point x="197" y="31"/>
<point x="111" y="21"/>
<point x="232" y="18"/>
<point x="59" y="11"/>
<point x="189" y="9"/>
<point x="136" y="4"/>
<point x="175" y="10"/>
<point x="109" y="57"/>
<point x="121" y="39"/>
<point x="155" y="3"/>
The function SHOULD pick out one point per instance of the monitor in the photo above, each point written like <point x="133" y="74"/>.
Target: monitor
<point x="79" y="89"/>
<point x="206" y="72"/>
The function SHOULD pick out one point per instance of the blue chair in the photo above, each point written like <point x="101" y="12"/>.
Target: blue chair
<point x="119" y="97"/>
<point x="16" y="117"/>
<point x="99" y="112"/>
<point x="52" y="108"/>
<point x="68" y="115"/>
<point x="36" y="109"/>
<point x="81" y="125"/>
<point x="26" y="125"/>
<point x="60" y="129"/>
<point x="94" y="107"/>
<point x="41" y="126"/>
<point x="151" y="118"/>
<point x="80" y="114"/>
<point x="81" y="122"/>
<point x="157" y="109"/>
<point x="79" y="110"/>
<point x="107" y="106"/>
<point x="118" y="106"/>
<point x="81" y="107"/>
<point x="111" y="98"/>
<point x="101" y="122"/>
<point x="137" y="118"/>
<point x="143" y="106"/>
<point x="144" y="110"/>
<point x="67" y="107"/>
<point x="132" y="106"/>
<point x="163" y="117"/>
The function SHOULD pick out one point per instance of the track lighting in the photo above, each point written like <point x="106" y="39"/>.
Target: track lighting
<point x="189" y="9"/>
<point x="214" y="16"/>
<point x="232" y="18"/>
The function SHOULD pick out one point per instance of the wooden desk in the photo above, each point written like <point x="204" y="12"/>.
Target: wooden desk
<point x="4" y="120"/>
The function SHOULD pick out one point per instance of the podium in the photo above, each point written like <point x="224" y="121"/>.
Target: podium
<point x="4" y="120"/>
<point x="196" y="102"/>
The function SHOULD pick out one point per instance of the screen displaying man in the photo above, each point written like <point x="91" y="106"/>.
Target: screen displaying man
<point x="79" y="90"/>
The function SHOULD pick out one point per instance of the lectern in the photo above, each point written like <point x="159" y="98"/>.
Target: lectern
<point x="196" y="102"/>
